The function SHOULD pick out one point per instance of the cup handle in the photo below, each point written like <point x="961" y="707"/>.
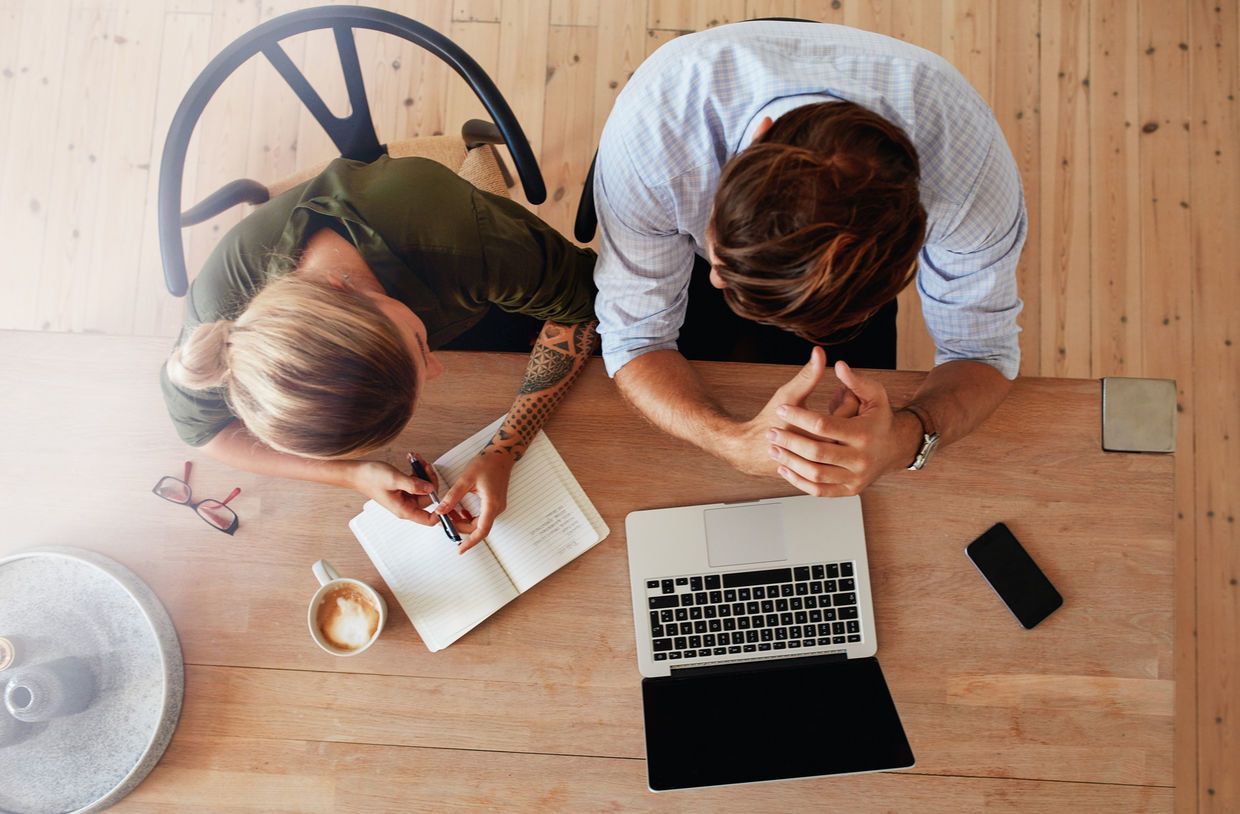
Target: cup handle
<point x="324" y="572"/>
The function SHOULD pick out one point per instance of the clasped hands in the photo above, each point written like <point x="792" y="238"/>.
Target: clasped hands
<point x="832" y="454"/>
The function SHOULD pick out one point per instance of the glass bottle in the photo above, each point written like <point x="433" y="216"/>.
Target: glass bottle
<point x="53" y="689"/>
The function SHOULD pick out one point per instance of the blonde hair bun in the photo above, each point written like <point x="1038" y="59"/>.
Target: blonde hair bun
<point x="201" y="362"/>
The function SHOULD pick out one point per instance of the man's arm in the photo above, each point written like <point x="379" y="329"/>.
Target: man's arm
<point x="967" y="283"/>
<point x="664" y="387"/>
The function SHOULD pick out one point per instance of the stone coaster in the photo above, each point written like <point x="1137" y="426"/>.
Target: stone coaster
<point x="57" y="602"/>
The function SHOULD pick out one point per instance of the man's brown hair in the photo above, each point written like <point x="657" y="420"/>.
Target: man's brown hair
<point x="818" y="224"/>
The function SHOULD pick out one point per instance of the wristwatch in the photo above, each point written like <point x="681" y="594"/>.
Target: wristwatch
<point x="929" y="437"/>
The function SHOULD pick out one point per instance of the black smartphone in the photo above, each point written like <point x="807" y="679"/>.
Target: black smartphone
<point x="1014" y="575"/>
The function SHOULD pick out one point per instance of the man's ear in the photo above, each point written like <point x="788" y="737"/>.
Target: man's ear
<point x="763" y="126"/>
<point x="716" y="280"/>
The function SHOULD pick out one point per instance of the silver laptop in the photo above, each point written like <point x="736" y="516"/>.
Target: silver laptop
<point x="755" y="629"/>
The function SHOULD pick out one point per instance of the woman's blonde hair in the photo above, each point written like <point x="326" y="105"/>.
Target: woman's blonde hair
<point x="310" y="369"/>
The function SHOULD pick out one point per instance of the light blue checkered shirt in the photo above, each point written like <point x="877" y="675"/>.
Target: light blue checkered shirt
<point x="697" y="101"/>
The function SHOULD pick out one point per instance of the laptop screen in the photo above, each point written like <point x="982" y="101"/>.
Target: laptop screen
<point x="770" y="721"/>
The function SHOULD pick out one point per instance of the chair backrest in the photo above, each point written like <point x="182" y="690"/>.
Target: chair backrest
<point x="354" y="135"/>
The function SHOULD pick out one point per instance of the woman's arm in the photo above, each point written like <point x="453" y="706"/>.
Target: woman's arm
<point x="401" y="494"/>
<point x="558" y="358"/>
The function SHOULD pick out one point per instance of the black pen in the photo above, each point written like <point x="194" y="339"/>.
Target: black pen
<point x="419" y="471"/>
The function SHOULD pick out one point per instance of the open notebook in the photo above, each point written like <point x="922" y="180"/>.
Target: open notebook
<point x="548" y="523"/>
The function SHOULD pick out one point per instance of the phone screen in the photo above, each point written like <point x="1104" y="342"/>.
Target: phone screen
<point x="1014" y="575"/>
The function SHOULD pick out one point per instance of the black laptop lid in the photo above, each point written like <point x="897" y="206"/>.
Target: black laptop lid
<point x="772" y="720"/>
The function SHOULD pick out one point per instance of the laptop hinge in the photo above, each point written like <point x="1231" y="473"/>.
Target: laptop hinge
<point x="784" y="662"/>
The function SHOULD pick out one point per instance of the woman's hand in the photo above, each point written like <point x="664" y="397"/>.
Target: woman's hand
<point x="487" y="475"/>
<point x="403" y="495"/>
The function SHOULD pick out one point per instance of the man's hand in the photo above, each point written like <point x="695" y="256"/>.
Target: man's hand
<point x="833" y="455"/>
<point x="748" y="449"/>
<point x="487" y="475"/>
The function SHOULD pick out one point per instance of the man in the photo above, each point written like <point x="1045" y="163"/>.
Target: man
<point x="808" y="172"/>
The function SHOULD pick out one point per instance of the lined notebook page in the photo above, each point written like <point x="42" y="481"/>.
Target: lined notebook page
<point x="445" y="594"/>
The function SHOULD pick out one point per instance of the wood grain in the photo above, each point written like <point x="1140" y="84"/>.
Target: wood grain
<point x="1115" y="180"/>
<point x="1017" y="68"/>
<point x="1064" y="182"/>
<point x="1214" y="197"/>
<point x="1086" y="698"/>
<point x="1167" y="319"/>
<point x="244" y="773"/>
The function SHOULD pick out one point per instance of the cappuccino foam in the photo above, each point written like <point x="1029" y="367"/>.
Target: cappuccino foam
<point x="346" y="618"/>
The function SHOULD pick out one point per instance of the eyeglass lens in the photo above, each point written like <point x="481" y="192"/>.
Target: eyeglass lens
<point x="216" y="513"/>
<point x="169" y="488"/>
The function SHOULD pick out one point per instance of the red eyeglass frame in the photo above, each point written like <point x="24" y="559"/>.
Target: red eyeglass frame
<point x="189" y="494"/>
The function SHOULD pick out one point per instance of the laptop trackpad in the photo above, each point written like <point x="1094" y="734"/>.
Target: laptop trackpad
<point x="739" y="535"/>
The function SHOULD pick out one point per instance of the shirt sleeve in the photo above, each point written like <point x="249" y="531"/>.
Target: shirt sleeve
<point x="530" y="267"/>
<point x="967" y="274"/>
<point x="644" y="261"/>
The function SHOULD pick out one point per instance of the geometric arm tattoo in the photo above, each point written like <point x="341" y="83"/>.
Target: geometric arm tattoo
<point x="558" y="357"/>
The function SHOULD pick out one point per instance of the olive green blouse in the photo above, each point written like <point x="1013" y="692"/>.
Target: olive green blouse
<point x="435" y="242"/>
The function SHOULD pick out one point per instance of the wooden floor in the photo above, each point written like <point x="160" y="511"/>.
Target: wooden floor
<point x="1121" y="114"/>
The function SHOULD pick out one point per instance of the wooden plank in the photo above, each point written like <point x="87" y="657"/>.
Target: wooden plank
<point x="1017" y="110"/>
<point x="476" y="11"/>
<point x="1167" y="319"/>
<point x="33" y="74"/>
<point x="1064" y="189"/>
<point x="693" y="15"/>
<point x="759" y="9"/>
<point x="1214" y="199"/>
<point x="77" y="170"/>
<point x="406" y="85"/>
<point x="576" y="12"/>
<point x="183" y="53"/>
<point x="480" y="41"/>
<point x="227" y="774"/>
<point x="1085" y="698"/>
<point x="824" y="11"/>
<point x="104" y="293"/>
<point x="522" y="69"/>
<point x="1115" y="211"/>
<point x="223" y="132"/>
<point x="10" y="42"/>
<point x="919" y="22"/>
<point x="968" y="41"/>
<point x="271" y="149"/>
<point x="569" y="105"/>
<point x="621" y="48"/>
<point x="656" y="37"/>
<point x="870" y="15"/>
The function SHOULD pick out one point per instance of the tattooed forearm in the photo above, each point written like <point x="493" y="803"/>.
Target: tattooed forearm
<point x="558" y="357"/>
<point x="548" y="367"/>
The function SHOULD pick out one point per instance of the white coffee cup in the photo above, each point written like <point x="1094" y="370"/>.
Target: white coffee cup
<point x="332" y="585"/>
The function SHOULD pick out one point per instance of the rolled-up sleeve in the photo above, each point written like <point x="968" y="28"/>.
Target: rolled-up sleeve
<point x="967" y="271"/>
<point x="644" y="261"/>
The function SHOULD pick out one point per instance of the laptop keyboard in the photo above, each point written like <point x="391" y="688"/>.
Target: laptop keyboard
<point x="809" y="606"/>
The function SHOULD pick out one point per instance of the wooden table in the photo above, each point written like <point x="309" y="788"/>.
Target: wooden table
<point x="539" y="708"/>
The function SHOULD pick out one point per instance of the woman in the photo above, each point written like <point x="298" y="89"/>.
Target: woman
<point x="309" y="332"/>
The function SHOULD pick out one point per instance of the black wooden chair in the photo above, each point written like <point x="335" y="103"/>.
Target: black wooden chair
<point x="472" y="155"/>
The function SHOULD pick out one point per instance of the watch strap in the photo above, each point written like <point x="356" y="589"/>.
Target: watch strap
<point x="927" y="423"/>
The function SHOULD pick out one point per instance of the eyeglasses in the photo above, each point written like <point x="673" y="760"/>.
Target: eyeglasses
<point x="215" y="512"/>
